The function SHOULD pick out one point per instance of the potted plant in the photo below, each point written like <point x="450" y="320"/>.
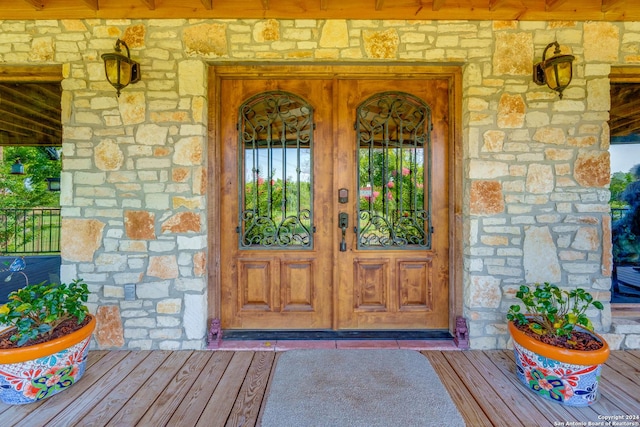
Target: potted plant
<point x="558" y="356"/>
<point x="44" y="349"/>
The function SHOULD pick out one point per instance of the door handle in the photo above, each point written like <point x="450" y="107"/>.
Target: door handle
<point x="343" y="224"/>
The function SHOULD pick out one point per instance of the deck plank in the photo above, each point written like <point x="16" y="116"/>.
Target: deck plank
<point x="124" y="388"/>
<point x="173" y="394"/>
<point x="145" y="398"/>
<point x="621" y="386"/>
<point x="58" y="406"/>
<point x="247" y="407"/>
<point x="470" y="410"/>
<point x="482" y="391"/>
<point x="217" y="410"/>
<point x="627" y="364"/>
<point x="506" y="385"/>
<point x="197" y="397"/>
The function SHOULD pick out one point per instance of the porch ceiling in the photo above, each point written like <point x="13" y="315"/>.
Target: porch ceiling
<point x="530" y="10"/>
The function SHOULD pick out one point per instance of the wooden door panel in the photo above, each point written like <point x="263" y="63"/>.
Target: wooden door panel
<point x="298" y="285"/>
<point x="256" y="283"/>
<point x="414" y="285"/>
<point x="371" y="285"/>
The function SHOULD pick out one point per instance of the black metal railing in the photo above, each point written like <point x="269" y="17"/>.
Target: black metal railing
<point x="29" y="231"/>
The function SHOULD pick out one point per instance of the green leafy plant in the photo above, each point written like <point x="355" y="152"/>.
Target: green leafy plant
<point x="551" y="310"/>
<point x="39" y="309"/>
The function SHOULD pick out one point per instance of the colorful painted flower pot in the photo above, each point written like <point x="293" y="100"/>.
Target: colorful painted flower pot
<point x="29" y="374"/>
<point x="561" y="375"/>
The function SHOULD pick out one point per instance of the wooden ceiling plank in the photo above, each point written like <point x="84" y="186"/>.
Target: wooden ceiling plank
<point x="265" y="4"/>
<point x="626" y="130"/>
<point x="607" y="5"/>
<point x="623" y="108"/>
<point x="21" y="121"/>
<point x="30" y="130"/>
<point x="92" y="4"/>
<point x="324" y="4"/>
<point x="379" y="4"/>
<point x="31" y="96"/>
<point x="12" y="130"/>
<point x="437" y="5"/>
<point x="208" y="4"/>
<point x="551" y="5"/>
<point x="28" y="112"/>
<point x="151" y="4"/>
<point x="37" y="4"/>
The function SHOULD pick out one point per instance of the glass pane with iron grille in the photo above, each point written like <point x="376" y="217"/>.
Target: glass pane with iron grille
<point x="276" y="182"/>
<point x="394" y="161"/>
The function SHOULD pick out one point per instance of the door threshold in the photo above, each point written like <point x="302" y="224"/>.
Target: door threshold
<point x="312" y="335"/>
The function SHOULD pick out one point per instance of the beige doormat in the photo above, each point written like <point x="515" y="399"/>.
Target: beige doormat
<point x="354" y="388"/>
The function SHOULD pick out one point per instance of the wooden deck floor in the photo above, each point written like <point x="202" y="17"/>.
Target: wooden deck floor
<point x="225" y="388"/>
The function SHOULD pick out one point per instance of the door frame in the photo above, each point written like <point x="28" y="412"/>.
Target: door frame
<point x="453" y="73"/>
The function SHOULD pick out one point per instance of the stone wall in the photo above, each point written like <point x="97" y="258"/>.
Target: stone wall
<point x="536" y="168"/>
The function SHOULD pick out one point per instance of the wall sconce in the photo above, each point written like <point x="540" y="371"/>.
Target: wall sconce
<point x="121" y="70"/>
<point x="556" y="72"/>
<point x="17" y="168"/>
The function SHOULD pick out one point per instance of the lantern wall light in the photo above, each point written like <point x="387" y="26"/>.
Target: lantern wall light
<point x="121" y="70"/>
<point x="556" y="72"/>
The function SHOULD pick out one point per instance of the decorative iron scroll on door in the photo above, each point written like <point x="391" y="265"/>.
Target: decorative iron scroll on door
<point x="394" y="161"/>
<point x="276" y="164"/>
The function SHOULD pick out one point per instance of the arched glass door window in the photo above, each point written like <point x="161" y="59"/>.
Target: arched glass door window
<point x="394" y="161"/>
<point x="276" y="182"/>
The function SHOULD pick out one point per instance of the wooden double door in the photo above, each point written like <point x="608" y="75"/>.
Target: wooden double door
<point x="334" y="203"/>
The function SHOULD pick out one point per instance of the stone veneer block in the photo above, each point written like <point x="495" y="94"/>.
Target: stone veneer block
<point x="139" y="225"/>
<point x="80" y="239"/>
<point x="109" y="332"/>
<point x="486" y="198"/>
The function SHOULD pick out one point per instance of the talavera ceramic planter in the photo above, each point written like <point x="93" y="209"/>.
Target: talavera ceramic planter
<point x="570" y="377"/>
<point x="33" y="373"/>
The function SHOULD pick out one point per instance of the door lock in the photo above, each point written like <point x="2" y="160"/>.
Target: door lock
<point x="343" y="224"/>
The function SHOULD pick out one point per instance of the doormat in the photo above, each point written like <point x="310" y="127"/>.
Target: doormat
<point x="354" y="388"/>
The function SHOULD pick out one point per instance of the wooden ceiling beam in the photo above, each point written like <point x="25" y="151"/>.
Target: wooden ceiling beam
<point x="379" y="4"/>
<point x="437" y="5"/>
<point x="495" y="4"/>
<point x="208" y="4"/>
<point x="92" y="4"/>
<point x="265" y="4"/>
<point x="607" y="5"/>
<point x="324" y="4"/>
<point x="151" y="4"/>
<point x="37" y="4"/>
<point x="551" y="5"/>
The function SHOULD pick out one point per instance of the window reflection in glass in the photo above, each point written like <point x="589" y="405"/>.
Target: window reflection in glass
<point x="394" y="165"/>
<point x="276" y="187"/>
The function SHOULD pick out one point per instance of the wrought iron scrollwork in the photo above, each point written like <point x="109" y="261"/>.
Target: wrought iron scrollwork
<point x="394" y="160"/>
<point x="276" y="186"/>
